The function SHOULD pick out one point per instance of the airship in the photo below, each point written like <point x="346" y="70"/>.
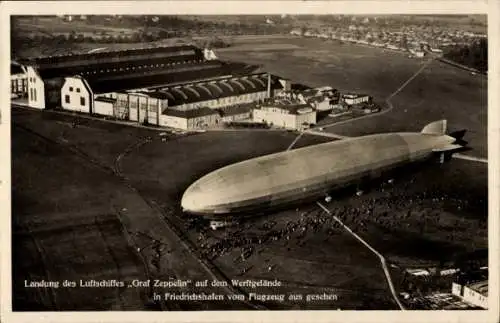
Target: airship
<point x="311" y="172"/>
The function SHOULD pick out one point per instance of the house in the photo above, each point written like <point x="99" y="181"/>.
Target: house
<point x="18" y="79"/>
<point x="81" y="95"/>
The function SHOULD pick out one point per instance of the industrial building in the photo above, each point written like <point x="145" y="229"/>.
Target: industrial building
<point x="186" y="106"/>
<point x="177" y="86"/>
<point x="289" y="115"/>
<point x="108" y="72"/>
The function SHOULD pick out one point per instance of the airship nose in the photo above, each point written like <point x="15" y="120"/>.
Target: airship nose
<point x="192" y="199"/>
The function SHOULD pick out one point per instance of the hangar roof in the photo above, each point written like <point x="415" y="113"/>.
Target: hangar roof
<point x="215" y="89"/>
<point x="130" y="56"/>
<point x="103" y="66"/>
<point x="139" y="78"/>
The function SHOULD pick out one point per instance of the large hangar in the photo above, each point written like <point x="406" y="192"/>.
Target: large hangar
<point x="122" y="70"/>
<point x="189" y="105"/>
<point x="179" y="86"/>
<point x="186" y="106"/>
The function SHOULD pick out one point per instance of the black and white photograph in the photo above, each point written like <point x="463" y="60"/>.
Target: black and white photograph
<point x="249" y="162"/>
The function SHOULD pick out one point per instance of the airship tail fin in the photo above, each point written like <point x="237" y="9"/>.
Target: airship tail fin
<point x="435" y="128"/>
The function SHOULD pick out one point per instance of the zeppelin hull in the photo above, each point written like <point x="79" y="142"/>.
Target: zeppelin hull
<point x="304" y="174"/>
<point x="306" y="192"/>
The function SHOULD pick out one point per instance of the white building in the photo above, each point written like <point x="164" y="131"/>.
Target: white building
<point x="190" y="119"/>
<point x="418" y="272"/>
<point x="77" y="95"/>
<point x="296" y="117"/>
<point x="352" y="99"/>
<point x="209" y="54"/>
<point x="476" y="293"/>
<point x="18" y="80"/>
<point x="36" y="89"/>
<point x="436" y="50"/>
<point x="419" y="54"/>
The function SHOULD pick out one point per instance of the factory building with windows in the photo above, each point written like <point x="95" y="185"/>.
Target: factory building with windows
<point x="292" y="116"/>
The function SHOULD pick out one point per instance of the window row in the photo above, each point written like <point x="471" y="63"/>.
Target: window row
<point x="77" y="89"/>
<point x="19" y="86"/>
<point x="67" y="99"/>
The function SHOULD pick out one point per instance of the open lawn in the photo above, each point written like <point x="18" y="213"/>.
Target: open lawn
<point x="65" y="189"/>
<point x="440" y="91"/>
<point x="66" y="226"/>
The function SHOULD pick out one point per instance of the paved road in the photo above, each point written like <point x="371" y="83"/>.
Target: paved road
<point x="295" y="141"/>
<point x="325" y="134"/>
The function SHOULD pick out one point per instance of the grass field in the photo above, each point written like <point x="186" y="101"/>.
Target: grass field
<point x="440" y="91"/>
<point x="71" y="168"/>
<point x="319" y="258"/>
<point x="422" y="219"/>
<point x="65" y="227"/>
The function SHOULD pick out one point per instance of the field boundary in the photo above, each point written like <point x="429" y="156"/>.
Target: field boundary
<point x="387" y="100"/>
<point x="460" y="66"/>
<point x="379" y="255"/>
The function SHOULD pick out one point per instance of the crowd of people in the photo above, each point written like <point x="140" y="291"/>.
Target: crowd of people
<point x="387" y="207"/>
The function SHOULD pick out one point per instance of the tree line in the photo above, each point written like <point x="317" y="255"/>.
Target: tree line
<point x="474" y="55"/>
<point x="146" y="29"/>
